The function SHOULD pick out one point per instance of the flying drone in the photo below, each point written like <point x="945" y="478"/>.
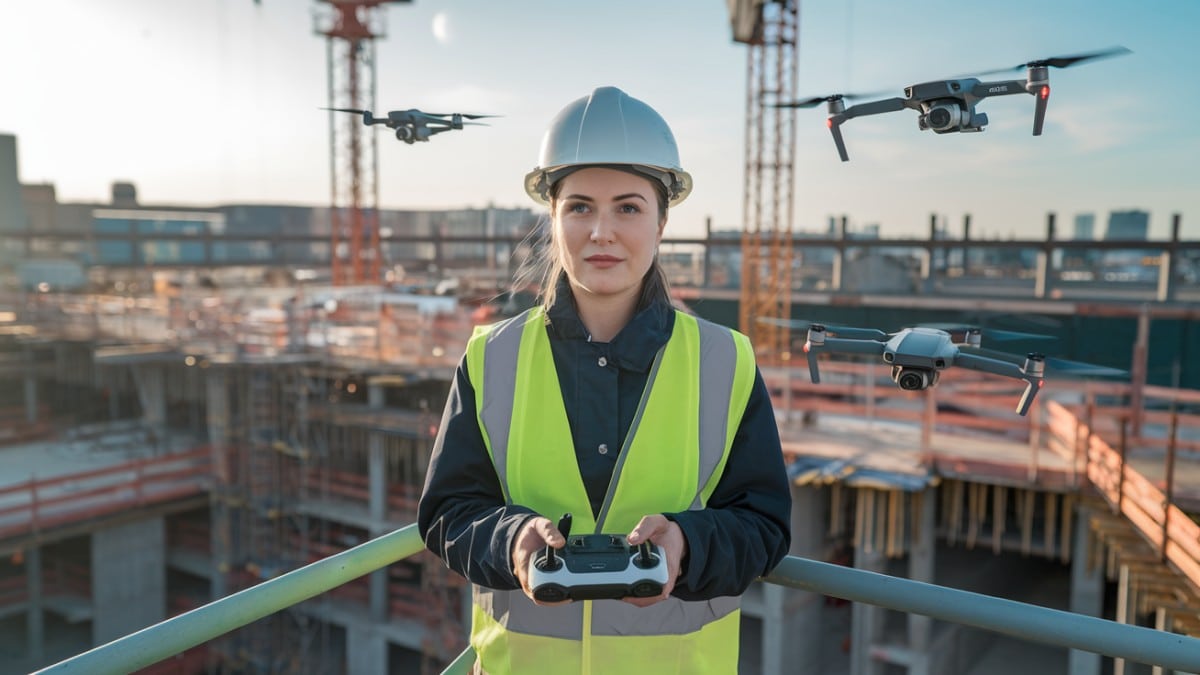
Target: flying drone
<point x="414" y="125"/>
<point x="918" y="354"/>
<point x="946" y="106"/>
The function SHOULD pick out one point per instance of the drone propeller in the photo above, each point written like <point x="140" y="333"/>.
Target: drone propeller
<point x="817" y="100"/>
<point x="1063" y="61"/>
<point x="462" y="115"/>
<point x="367" y="117"/>
<point x="1053" y="364"/>
<point x="810" y="102"/>
<point x="990" y="333"/>
<point x="799" y="324"/>
<point x="848" y="332"/>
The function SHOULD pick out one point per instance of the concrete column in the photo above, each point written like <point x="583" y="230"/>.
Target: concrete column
<point x="792" y="637"/>
<point x="217" y="405"/>
<point x="129" y="578"/>
<point x="1087" y="594"/>
<point x="866" y="621"/>
<point x="377" y="496"/>
<point x="1123" y="614"/>
<point x="366" y="652"/>
<point x="151" y="385"/>
<point x="31" y="398"/>
<point x="1161" y="622"/>
<point x="921" y="568"/>
<point x="35" y="618"/>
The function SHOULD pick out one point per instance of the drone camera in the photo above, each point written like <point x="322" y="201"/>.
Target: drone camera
<point x="941" y="117"/>
<point x="913" y="379"/>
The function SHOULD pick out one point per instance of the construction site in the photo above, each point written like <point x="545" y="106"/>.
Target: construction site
<point x="181" y="423"/>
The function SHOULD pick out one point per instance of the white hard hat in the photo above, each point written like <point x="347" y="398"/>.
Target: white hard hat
<point x="609" y="127"/>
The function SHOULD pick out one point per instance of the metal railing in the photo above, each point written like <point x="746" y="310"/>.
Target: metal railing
<point x="1021" y="620"/>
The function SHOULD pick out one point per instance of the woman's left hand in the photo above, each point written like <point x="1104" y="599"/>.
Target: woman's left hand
<point x="657" y="529"/>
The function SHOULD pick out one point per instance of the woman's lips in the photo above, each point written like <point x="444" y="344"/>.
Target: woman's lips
<point x="603" y="261"/>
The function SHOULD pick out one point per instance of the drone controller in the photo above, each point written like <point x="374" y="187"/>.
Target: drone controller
<point x="596" y="567"/>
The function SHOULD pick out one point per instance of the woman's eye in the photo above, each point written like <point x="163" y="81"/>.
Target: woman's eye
<point x="577" y="207"/>
<point x="630" y="208"/>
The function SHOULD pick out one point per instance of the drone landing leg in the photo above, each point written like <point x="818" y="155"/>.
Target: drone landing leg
<point x="1031" y="390"/>
<point x="836" y="129"/>
<point x="1042" y="95"/>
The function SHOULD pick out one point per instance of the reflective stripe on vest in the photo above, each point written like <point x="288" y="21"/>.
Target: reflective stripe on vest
<point x="695" y="393"/>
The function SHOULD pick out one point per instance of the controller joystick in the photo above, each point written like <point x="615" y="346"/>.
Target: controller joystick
<point x="596" y="567"/>
<point x="645" y="558"/>
<point x="551" y="563"/>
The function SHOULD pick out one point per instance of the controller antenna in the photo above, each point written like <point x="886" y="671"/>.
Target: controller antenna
<point x="564" y="526"/>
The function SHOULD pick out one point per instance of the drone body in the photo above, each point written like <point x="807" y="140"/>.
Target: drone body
<point x="413" y="125"/>
<point x="948" y="106"/>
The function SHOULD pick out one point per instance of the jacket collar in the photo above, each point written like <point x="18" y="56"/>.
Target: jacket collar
<point x="634" y="347"/>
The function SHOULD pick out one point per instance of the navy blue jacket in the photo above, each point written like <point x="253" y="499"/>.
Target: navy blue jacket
<point x="741" y="534"/>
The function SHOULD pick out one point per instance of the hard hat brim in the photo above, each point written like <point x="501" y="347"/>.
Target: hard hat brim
<point x="677" y="182"/>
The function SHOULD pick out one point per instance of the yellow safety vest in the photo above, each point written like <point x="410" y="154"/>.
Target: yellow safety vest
<point x="672" y="459"/>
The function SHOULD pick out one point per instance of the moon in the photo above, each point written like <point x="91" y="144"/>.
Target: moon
<point x="441" y="27"/>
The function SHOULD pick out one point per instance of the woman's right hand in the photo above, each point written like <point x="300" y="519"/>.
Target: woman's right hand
<point x="535" y="534"/>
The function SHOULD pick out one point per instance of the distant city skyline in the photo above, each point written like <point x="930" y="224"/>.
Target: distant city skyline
<point x="217" y="103"/>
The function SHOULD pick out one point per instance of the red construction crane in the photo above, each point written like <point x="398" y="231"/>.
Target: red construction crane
<point x="350" y="29"/>
<point x="771" y="31"/>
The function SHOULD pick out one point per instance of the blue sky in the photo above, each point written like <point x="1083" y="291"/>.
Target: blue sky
<point x="217" y="101"/>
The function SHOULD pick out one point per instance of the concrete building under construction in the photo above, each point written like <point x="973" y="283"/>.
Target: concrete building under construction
<point x="168" y="447"/>
<point x="195" y="401"/>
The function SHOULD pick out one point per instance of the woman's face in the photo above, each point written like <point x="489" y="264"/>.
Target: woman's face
<point x="606" y="228"/>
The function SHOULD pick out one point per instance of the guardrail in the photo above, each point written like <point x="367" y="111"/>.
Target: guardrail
<point x="1021" y="620"/>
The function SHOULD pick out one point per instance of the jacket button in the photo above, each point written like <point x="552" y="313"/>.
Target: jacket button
<point x="602" y="362"/>
<point x="603" y="449"/>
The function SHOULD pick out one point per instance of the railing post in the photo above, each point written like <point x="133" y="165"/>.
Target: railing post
<point x="1137" y="374"/>
<point x="139" y="474"/>
<point x="33" y="505"/>
<point x="1045" y="263"/>
<point x="1121" y="451"/>
<point x="1169" y="491"/>
<point x="1166" y="264"/>
<point x="36" y="618"/>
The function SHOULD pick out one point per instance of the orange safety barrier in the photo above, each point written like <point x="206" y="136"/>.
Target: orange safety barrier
<point x="43" y="504"/>
<point x="1164" y="525"/>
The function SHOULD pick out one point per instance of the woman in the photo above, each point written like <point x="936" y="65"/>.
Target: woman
<point x="607" y="403"/>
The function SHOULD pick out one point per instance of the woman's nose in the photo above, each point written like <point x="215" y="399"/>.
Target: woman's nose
<point x="602" y="231"/>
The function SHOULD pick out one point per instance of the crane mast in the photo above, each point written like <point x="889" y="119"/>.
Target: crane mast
<point x="770" y="29"/>
<point x="351" y="28"/>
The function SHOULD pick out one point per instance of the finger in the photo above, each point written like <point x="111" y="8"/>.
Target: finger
<point x="647" y="528"/>
<point x="550" y="534"/>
